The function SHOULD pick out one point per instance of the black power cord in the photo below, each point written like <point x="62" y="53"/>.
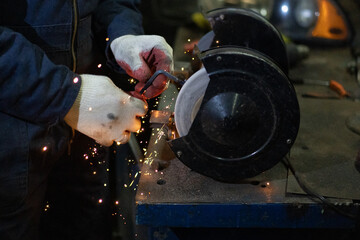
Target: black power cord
<point x="314" y="195"/>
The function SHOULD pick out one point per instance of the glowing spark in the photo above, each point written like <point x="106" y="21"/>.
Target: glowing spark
<point x="189" y="40"/>
<point x="99" y="65"/>
<point x="267" y="184"/>
<point x="182" y="69"/>
<point x="90" y="109"/>
<point x="105" y="184"/>
<point x="107" y="39"/>
<point x="118" y="143"/>
<point x="131" y="183"/>
<point x="94" y="172"/>
<point x="132" y="81"/>
<point x="44" y="149"/>
<point x="76" y="80"/>
<point x="117" y="202"/>
<point x="100" y="200"/>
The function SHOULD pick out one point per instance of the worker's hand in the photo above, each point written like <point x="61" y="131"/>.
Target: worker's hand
<point x="141" y="56"/>
<point x="104" y="112"/>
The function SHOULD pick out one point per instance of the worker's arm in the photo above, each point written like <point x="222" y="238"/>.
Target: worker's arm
<point x="115" y="18"/>
<point x="32" y="88"/>
<point x="139" y="55"/>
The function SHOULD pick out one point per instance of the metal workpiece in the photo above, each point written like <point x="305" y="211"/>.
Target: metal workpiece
<point x="156" y="74"/>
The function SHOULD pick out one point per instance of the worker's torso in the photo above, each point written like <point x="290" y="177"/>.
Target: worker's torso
<point x="61" y="28"/>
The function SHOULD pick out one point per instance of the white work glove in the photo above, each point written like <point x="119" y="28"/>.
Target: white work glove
<point x="104" y="112"/>
<point x="141" y="56"/>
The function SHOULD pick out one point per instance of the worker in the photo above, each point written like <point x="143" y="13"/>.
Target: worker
<point x="49" y="89"/>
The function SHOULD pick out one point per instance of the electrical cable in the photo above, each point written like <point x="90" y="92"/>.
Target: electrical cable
<point x="316" y="195"/>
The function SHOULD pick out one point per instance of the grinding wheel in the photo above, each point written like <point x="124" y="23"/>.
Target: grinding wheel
<point x="189" y="100"/>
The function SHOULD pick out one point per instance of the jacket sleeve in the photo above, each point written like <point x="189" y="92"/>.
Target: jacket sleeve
<point x="115" y="18"/>
<point x="32" y="88"/>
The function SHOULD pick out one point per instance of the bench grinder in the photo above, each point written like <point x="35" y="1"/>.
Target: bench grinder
<point x="238" y="115"/>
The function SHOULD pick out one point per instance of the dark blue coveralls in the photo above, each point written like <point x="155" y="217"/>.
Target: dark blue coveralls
<point x="44" y="45"/>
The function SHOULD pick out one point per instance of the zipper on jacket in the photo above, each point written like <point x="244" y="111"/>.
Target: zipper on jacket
<point x="73" y="54"/>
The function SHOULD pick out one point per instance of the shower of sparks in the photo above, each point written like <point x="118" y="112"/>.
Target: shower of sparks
<point x="160" y="134"/>
<point x="149" y="159"/>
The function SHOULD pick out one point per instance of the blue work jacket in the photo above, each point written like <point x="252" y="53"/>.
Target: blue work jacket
<point x="43" y="44"/>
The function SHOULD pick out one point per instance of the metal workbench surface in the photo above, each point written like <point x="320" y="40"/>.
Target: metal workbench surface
<point x="323" y="155"/>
